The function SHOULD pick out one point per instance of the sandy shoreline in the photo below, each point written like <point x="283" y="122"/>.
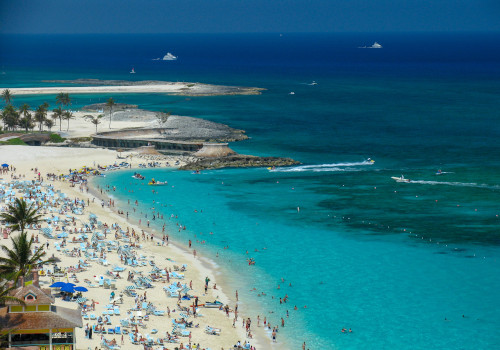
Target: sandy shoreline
<point x="178" y="88"/>
<point x="60" y="160"/>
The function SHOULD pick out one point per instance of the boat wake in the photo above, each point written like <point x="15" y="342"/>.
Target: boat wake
<point x="333" y="167"/>
<point x="458" y="184"/>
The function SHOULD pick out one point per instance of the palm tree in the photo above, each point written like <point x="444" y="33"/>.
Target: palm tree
<point x="49" y="124"/>
<point x="62" y="99"/>
<point x="26" y="121"/>
<point x="96" y="120"/>
<point x="24" y="109"/>
<point x="40" y="116"/>
<point x="67" y="115"/>
<point x="10" y="117"/>
<point x="7" y="96"/>
<point x="58" y="112"/>
<point x="110" y="105"/>
<point x="20" y="260"/>
<point x="20" y="214"/>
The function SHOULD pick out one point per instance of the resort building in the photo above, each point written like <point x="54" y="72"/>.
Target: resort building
<point x="39" y="323"/>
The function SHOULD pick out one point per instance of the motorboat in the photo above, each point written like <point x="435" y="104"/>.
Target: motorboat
<point x="215" y="304"/>
<point x="138" y="176"/>
<point x="153" y="182"/>
<point x="400" y="179"/>
<point x="169" y="57"/>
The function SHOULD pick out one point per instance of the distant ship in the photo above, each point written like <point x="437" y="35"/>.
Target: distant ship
<point x="169" y="57"/>
<point x="375" y="45"/>
<point x="132" y="71"/>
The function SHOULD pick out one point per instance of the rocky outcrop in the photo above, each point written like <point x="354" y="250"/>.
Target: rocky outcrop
<point x="214" y="150"/>
<point x="238" y="161"/>
<point x="190" y="89"/>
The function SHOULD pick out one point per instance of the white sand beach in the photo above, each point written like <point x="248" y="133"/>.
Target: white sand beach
<point x="104" y="260"/>
<point x="178" y="88"/>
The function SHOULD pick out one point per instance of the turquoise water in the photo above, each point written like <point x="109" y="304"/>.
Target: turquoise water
<point x="399" y="263"/>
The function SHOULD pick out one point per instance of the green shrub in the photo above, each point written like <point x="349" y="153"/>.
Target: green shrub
<point x="14" y="141"/>
<point x="56" y="138"/>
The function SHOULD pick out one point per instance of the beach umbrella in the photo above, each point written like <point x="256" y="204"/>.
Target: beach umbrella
<point x="5" y="165"/>
<point x="67" y="288"/>
<point x="57" y="285"/>
<point x="81" y="289"/>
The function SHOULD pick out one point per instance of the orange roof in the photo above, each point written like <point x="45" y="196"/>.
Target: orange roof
<point x="42" y="296"/>
<point x="60" y="317"/>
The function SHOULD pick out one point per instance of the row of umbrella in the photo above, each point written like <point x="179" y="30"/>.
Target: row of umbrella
<point x="68" y="287"/>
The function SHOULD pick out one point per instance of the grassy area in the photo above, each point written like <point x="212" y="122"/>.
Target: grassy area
<point x="55" y="138"/>
<point x="14" y="141"/>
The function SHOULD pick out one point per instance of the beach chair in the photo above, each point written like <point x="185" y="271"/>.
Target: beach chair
<point x="118" y="330"/>
<point x="93" y="317"/>
<point x="185" y="333"/>
<point x="131" y="336"/>
<point x="111" y="331"/>
<point x="158" y="313"/>
<point x="125" y="323"/>
<point x="117" y="311"/>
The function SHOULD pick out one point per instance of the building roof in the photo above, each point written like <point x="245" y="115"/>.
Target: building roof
<point x="60" y="317"/>
<point x="42" y="296"/>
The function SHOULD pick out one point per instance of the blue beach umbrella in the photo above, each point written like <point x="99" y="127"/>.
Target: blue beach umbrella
<point x="57" y="285"/>
<point x="67" y="288"/>
<point x="81" y="289"/>
<point x="5" y="165"/>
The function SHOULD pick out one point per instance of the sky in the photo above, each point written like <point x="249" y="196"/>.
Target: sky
<point x="247" y="16"/>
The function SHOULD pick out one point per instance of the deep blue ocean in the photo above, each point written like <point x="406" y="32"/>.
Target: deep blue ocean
<point x="404" y="265"/>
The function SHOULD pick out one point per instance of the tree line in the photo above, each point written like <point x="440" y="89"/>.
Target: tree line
<point x="25" y="118"/>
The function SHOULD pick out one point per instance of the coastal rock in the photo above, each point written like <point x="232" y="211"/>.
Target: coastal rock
<point x="189" y="89"/>
<point x="238" y="161"/>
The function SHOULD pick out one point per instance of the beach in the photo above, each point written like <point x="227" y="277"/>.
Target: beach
<point x="172" y="88"/>
<point x="193" y="268"/>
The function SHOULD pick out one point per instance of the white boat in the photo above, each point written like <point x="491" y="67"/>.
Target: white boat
<point x="291" y="93"/>
<point x="400" y="179"/>
<point x="132" y="71"/>
<point x="375" y="45"/>
<point x="169" y="57"/>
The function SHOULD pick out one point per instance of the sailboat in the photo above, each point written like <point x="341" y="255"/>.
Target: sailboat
<point x="132" y="71"/>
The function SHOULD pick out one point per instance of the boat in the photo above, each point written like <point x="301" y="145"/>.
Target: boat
<point x="375" y="45"/>
<point x="138" y="176"/>
<point x="400" y="179"/>
<point x="369" y="160"/>
<point x="153" y="182"/>
<point x="169" y="57"/>
<point x="215" y="304"/>
<point x="439" y="172"/>
<point x="291" y="93"/>
<point x="132" y="71"/>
